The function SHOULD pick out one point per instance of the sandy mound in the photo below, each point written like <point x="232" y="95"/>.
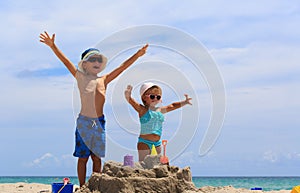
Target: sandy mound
<point x="151" y="177"/>
<point x="148" y="176"/>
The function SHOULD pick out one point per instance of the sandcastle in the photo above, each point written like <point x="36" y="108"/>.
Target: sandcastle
<point x="147" y="176"/>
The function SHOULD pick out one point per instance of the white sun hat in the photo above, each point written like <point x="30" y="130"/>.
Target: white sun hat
<point x="87" y="54"/>
<point x="145" y="87"/>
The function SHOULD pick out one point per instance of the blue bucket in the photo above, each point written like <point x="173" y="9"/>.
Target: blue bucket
<point x="56" y="187"/>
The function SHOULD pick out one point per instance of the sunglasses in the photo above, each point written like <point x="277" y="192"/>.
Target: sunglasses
<point x="94" y="59"/>
<point x="152" y="96"/>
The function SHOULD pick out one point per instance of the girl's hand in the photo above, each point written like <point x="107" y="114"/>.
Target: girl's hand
<point x="187" y="100"/>
<point x="46" y="39"/>
<point x="128" y="92"/>
<point x="142" y="51"/>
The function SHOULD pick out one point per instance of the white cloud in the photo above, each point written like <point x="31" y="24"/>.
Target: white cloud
<point x="258" y="62"/>
<point x="275" y="156"/>
<point x="44" y="161"/>
<point x="293" y="156"/>
<point x="270" y="156"/>
<point x="49" y="160"/>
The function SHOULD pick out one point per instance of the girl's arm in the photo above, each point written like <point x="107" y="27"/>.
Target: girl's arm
<point x="176" y="105"/>
<point x="138" y="107"/>
<point x="112" y="75"/>
<point x="49" y="41"/>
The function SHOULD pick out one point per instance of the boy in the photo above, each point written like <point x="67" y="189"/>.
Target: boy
<point x="90" y="129"/>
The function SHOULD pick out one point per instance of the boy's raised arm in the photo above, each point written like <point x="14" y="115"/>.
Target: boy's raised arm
<point x="116" y="72"/>
<point x="49" y="41"/>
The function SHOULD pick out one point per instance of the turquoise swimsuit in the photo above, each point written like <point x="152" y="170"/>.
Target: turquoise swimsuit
<point x="151" y="123"/>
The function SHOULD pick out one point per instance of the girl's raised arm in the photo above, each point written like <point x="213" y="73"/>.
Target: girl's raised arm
<point x="176" y="105"/>
<point x="138" y="107"/>
<point x="49" y="41"/>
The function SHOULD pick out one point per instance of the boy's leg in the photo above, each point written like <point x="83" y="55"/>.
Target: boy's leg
<point x="81" y="170"/>
<point x="96" y="163"/>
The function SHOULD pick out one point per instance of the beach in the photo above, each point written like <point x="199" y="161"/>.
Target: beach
<point x="22" y="187"/>
<point x="149" y="176"/>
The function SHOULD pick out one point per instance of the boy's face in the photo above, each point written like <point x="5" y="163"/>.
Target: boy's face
<point x="93" y="65"/>
<point x="152" y="96"/>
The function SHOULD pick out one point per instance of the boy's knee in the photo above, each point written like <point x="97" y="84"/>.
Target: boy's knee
<point x="83" y="160"/>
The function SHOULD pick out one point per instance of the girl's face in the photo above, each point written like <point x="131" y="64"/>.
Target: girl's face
<point x="152" y="97"/>
<point x="93" y="65"/>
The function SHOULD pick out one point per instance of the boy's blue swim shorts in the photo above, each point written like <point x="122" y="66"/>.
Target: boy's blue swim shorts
<point x="90" y="137"/>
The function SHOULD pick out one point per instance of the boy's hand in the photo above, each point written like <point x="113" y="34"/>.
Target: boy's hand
<point x="128" y="92"/>
<point x="46" y="39"/>
<point x="187" y="100"/>
<point x="142" y="51"/>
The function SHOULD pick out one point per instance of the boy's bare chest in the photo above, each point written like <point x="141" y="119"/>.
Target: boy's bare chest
<point x="93" y="86"/>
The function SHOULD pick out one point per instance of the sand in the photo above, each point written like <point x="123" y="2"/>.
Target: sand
<point x="21" y="187"/>
<point x="148" y="176"/>
<point x="44" y="188"/>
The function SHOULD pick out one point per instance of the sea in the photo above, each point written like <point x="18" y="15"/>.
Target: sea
<point x="266" y="183"/>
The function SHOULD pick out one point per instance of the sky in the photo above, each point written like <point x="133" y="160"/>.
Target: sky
<point x="238" y="60"/>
